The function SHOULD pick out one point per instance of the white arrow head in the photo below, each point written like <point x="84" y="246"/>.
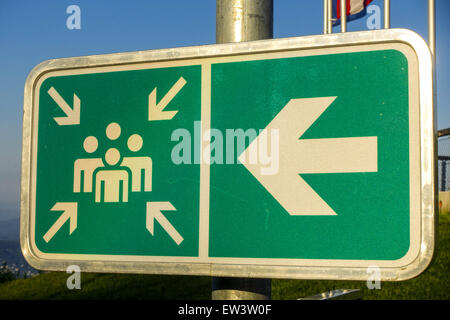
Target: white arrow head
<point x="156" y="110"/>
<point x="69" y="213"/>
<point x="154" y="213"/>
<point x="72" y="115"/>
<point x="296" y="156"/>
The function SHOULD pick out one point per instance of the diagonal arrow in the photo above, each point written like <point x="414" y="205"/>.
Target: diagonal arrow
<point x="69" y="213"/>
<point x="297" y="156"/>
<point x="156" y="110"/>
<point x="72" y="115"/>
<point x="154" y="213"/>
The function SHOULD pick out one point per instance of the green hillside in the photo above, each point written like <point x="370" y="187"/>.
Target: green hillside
<point x="432" y="284"/>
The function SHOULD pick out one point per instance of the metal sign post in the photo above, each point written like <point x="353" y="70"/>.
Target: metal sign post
<point x="236" y="21"/>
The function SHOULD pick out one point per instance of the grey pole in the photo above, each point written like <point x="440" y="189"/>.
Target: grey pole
<point x="243" y="20"/>
<point x="236" y="21"/>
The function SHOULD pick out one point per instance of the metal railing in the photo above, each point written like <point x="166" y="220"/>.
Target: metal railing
<point x="444" y="160"/>
<point x="328" y="19"/>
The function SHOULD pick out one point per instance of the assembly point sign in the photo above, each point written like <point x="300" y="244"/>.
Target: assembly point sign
<point x="295" y="158"/>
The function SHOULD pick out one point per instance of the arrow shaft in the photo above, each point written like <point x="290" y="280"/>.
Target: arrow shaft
<point x="56" y="226"/>
<point x="171" y="93"/>
<point x="336" y="155"/>
<point x="173" y="233"/>
<point x="59" y="100"/>
<point x="62" y="103"/>
<point x="70" y="212"/>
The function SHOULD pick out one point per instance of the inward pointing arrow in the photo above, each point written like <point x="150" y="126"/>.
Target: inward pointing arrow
<point x="156" y="110"/>
<point x="69" y="213"/>
<point x="154" y="213"/>
<point x="297" y="156"/>
<point x="72" y="115"/>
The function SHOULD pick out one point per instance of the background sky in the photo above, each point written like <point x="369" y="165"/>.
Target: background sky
<point x="34" y="31"/>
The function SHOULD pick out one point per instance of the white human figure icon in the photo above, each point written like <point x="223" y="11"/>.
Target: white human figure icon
<point x="112" y="180"/>
<point x="86" y="167"/>
<point x="138" y="165"/>
<point x="110" y="177"/>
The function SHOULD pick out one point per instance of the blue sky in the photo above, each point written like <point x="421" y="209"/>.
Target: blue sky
<point x="34" y="31"/>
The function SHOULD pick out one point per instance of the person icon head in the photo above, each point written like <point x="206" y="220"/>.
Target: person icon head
<point x="113" y="131"/>
<point x="112" y="156"/>
<point x="135" y="142"/>
<point x="90" y="144"/>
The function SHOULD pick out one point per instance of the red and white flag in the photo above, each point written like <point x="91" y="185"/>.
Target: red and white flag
<point x="355" y="9"/>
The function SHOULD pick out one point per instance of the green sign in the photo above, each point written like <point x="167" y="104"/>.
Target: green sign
<point x="113" y="161"/>
<point x="288" y="160"/>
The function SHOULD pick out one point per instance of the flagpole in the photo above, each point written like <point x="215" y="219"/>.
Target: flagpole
<point x="330" y="15"/>
<point x="432" y="27"/>
<point x="343" y="16"/>
<point x="327" y="16"/>
<point x="387" y="14"/>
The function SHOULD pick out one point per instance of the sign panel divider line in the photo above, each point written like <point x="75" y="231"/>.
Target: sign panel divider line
<point x="204" y="165"/>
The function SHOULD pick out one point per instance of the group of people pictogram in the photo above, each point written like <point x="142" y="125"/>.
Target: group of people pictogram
<point x="113" y="176"/>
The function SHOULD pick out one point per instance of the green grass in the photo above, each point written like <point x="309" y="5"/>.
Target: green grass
<point x="52" y="285"/>
<point x="432" y="284"/>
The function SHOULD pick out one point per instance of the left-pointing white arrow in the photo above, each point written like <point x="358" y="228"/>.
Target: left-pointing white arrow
<point x="154" y="213"/>
<point x="69" y="213"/>
<point x="72" y="115"/>
<point x="297" y="156"/>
